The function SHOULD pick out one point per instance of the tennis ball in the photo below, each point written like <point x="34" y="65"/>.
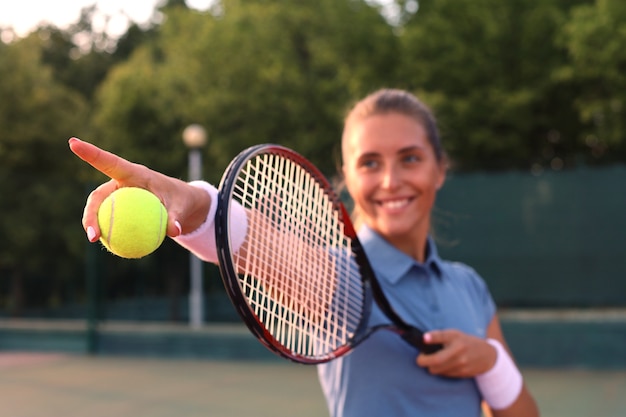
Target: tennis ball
<point x="132" y="222"/>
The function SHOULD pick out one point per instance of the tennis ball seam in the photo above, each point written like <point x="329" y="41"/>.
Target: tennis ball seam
<point x="110" y="233"/>
<point x="157" y="237"/>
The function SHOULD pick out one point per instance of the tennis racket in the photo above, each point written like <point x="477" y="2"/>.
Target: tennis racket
<point x="301" y="281"/>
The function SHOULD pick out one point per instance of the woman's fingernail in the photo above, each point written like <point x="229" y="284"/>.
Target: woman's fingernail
<point x="178" y="227"/>
<point x="427" y="337"/>
<point x="91" y="234"/>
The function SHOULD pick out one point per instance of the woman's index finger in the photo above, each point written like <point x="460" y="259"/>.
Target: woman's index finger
<point x="109" y="164"/>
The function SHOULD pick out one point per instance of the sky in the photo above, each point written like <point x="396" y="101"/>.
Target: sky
<point x="25" y="15"/>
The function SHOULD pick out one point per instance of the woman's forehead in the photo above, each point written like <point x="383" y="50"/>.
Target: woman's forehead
<point x="384" y="133"/>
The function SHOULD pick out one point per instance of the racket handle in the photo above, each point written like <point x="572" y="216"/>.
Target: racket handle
<point x="415" y="338"/>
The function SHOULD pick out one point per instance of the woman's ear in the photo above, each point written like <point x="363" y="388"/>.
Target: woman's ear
<point x="344" y="182"/>
<point x="441" y="182"/>
<point x="443" y="169"/>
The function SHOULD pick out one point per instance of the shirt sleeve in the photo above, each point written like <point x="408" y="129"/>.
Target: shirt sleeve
<point x="482" y="295"/>
<point x="481" y="299"/>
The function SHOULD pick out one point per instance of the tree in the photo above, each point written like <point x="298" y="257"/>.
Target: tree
<point x="37" y="115"/>
<point x="251" y="72"/>
<point x="82" y="55"/>
<point x="491" y="69"/>
<point x="594" y="37"/>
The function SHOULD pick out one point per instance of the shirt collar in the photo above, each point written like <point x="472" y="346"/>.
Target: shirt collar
<point x="392" y="264"/>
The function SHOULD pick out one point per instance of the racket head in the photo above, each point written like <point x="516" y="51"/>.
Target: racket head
<point x="313" y="304"/>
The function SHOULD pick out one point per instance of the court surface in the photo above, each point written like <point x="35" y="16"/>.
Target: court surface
<point x="52" y="385"/>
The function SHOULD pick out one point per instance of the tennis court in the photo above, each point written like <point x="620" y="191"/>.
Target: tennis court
<point x="51" y="385"/>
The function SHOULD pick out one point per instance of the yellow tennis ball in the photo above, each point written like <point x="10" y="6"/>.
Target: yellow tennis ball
<point x="132" y="222"/>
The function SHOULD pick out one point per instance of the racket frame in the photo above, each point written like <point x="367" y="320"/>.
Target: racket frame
<point x="372" y="290"/>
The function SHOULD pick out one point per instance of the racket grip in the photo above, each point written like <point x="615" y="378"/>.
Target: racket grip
<point x="415" y="338"/>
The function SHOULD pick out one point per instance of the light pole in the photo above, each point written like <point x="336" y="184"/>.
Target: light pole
<point x="195" y="137"/>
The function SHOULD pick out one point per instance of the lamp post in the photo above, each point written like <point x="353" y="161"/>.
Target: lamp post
<point x="195" y="137"/>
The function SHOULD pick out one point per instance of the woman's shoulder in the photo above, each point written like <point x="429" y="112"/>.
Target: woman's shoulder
<point x="466" y="280"/>
<point x="462" y="273"/>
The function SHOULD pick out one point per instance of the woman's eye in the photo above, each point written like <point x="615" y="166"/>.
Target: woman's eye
<point x="411" y="158"/>
<point x="369" y="164"/>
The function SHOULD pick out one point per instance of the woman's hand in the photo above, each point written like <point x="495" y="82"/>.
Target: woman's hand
<point x="187" y="206"/>
<point x="465" y="356"/>
<point x="462" y="356"/>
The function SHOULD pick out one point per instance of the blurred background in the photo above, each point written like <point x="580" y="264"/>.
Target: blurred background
<point x="531" y="101"/>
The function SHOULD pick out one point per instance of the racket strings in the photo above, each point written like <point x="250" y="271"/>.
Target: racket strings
<point x="297" y="270"/>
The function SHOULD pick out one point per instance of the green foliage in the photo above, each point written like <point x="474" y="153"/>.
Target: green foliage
<point x="595" y="36"/>
<point x="255" y="73"/>
<point x="39" y="213"/>
<point x="490" y="70"/>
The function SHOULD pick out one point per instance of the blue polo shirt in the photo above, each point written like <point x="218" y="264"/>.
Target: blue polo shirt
<point x="380" y="377"/>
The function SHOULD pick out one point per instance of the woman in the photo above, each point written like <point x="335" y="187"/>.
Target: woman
<point x="393" y="164"/>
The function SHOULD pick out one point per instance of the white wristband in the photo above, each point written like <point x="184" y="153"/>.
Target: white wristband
<point x="201" y="241"/>
<point x="501" y="385"/>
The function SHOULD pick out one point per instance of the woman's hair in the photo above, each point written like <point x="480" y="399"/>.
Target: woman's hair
<point x="387" y="101"/>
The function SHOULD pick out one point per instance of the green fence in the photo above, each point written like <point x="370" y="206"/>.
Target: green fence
<point x="549" y="240"/>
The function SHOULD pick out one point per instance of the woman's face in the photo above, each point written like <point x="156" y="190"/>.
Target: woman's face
<point x="393" y="176"/>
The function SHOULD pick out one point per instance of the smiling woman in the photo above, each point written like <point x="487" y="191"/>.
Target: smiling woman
<point x="393" y="175"/>
<point x="394" y="164"/>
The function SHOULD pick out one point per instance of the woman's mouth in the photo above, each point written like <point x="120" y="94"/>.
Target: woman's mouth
<point x="394" y="204"/>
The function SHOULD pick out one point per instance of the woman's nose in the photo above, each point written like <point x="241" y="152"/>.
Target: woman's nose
<point x="390" y="178"/>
